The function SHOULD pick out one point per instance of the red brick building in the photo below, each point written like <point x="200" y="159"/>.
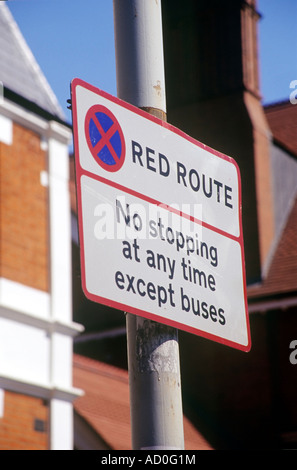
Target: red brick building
<point x="36" y="327"/>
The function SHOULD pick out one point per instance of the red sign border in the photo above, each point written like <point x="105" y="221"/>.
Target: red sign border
<point x="79" y="171"/>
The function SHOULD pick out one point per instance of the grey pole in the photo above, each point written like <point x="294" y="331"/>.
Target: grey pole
<point x="153" y="350"/>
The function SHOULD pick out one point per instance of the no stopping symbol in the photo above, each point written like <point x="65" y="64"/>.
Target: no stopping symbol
<point x="105" y="138"/>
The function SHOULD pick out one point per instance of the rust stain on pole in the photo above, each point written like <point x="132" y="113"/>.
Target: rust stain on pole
<point x="155" y="112"/>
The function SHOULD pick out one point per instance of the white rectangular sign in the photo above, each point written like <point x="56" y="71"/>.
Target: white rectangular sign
<point x="159" y="220"/>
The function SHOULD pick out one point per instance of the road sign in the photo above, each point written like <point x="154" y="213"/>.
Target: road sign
<point x="159" y="220"/>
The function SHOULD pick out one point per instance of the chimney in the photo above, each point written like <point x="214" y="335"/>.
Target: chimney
<point x="261" y="131"/>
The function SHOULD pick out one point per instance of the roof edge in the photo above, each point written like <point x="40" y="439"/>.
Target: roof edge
<point x="33" y="107"/>
<point x="276" y="104"/>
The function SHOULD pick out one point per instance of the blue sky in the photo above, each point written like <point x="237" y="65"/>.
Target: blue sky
<point x="75" y="38"/>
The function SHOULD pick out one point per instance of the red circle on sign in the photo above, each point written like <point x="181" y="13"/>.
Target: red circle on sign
<point x="105" y="138"/>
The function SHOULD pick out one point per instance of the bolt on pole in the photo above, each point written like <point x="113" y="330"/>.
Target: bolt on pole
<point x="153" y="350"/>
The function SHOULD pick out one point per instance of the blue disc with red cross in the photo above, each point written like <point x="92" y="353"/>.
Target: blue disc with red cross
<point x="105" y="138"/>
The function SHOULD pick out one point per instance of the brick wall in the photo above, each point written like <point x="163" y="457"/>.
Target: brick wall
<point x="24" y="425"/>
<point x="23" y="211"/>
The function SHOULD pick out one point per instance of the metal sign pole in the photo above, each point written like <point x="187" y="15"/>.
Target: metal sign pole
<point x="153" y="351"/>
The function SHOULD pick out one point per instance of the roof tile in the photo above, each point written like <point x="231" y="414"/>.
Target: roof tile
<point x="282" y="120"/>
<point x="282" y="274"/>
